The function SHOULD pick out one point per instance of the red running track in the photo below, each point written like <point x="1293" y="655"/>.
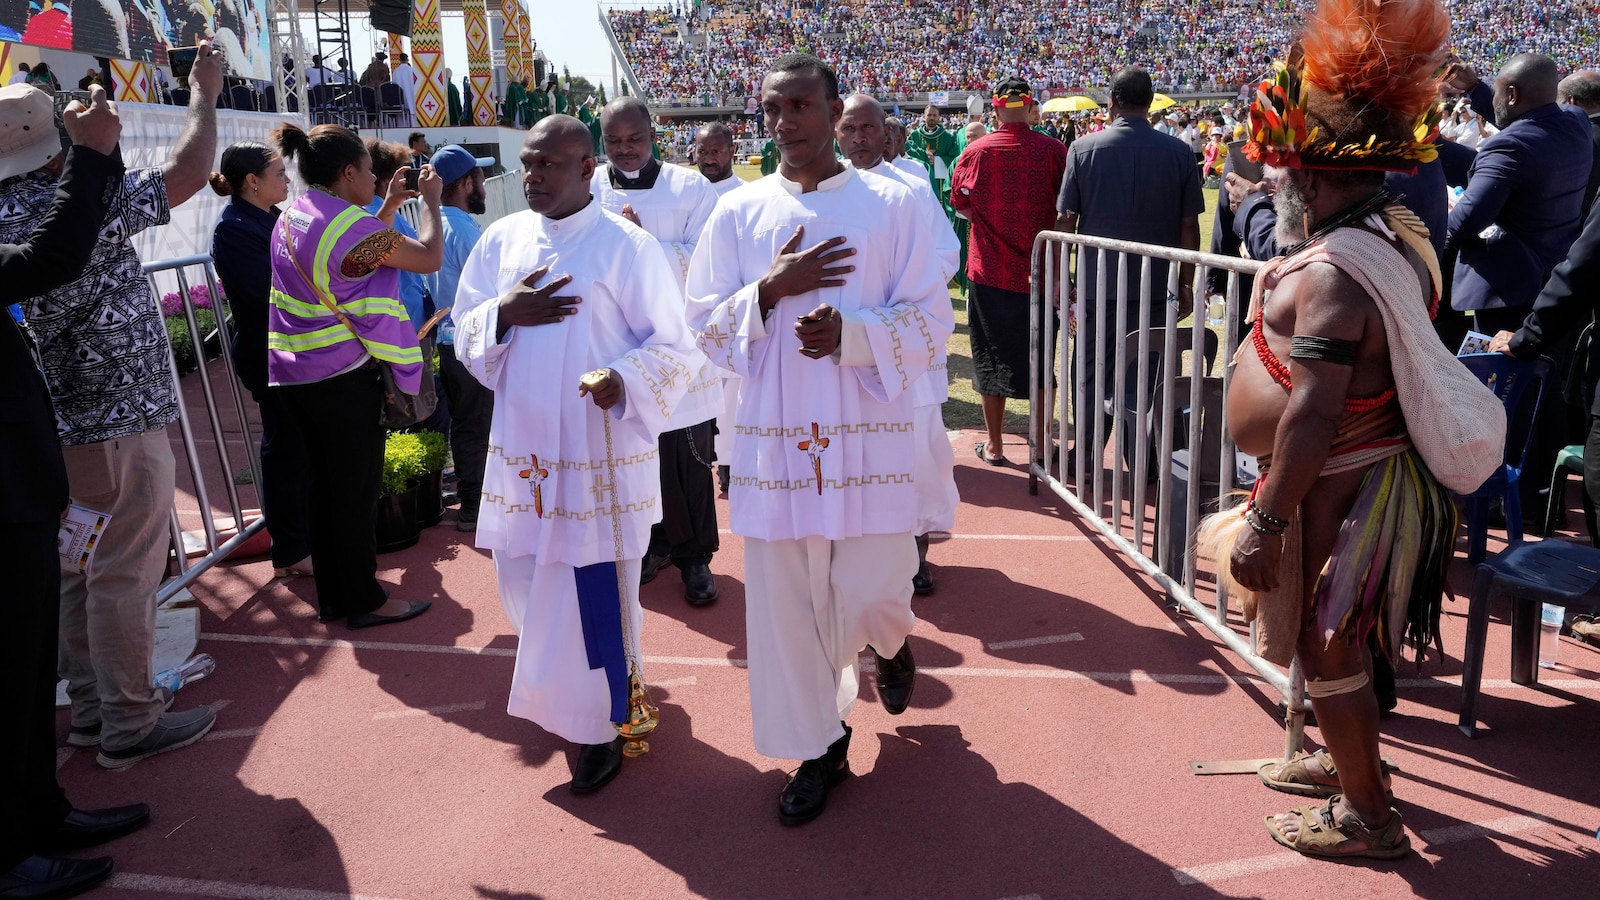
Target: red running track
<point x="1045" y="754"/>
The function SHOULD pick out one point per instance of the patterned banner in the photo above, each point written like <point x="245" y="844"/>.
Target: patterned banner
<point x="427" y="46"/>
<point x="131" y="80"/>
<point x="397" y="46"/>
<point x="511" y="12"/>
<point x="525" y="34"/>
<point x="5" y="63"/>
<point x="479" y="67"/>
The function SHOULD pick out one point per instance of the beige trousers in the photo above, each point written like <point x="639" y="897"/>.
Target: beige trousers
<point x="108" y="616"/>
<point x="811" y="607"/>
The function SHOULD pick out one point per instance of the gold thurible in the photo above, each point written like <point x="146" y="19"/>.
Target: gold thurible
<point x="642" y="719"/>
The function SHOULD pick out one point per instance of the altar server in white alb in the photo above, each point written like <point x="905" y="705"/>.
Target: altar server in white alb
<point x="863" y="135"/>
<point x="672" y="203"/>
<point x="819" y="285"/>
<point x="545" y="298"/>
<point x="713" y="156"/>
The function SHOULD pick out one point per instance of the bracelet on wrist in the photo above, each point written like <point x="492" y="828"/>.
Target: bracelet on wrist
<point x="1266" y="517"/>
<point x="1260" y="527"/>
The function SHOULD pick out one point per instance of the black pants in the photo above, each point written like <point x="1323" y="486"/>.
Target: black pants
<point x="687" y="531"/>
<point x="30" y="796"/>
<point x="471" y="409"/>
<point x="285" y="477"/>
<point x="340" y="418"/>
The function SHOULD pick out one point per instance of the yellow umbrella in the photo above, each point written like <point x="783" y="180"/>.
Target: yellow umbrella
<point x="1162" y="101"/>
<point x="1068" y="104"/>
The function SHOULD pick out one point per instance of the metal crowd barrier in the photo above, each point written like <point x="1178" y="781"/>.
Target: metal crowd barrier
<point x="215" y="549"/>
<point x="502" y="197"/>
<point x="1150" y="418"/>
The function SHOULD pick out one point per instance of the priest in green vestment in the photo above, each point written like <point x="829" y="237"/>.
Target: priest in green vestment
<point x="512" y="111"/>
<point x="936" y="149"/>
<point x="769" y="157"/>
<point x="454" y="99"/>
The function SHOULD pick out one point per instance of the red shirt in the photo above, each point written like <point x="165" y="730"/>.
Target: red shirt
<point x="1006" y="183"/>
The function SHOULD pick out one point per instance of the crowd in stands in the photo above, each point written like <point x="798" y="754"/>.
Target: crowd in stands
<point x="714" y="53"/>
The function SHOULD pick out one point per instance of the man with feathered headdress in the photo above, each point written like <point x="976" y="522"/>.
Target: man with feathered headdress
<point x="1352" y="405"/>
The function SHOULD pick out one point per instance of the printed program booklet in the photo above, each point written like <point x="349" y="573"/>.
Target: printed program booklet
<point x="81" y="529"/>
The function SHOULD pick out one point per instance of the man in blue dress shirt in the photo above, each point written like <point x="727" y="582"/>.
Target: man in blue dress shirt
<point x="470" y="402"/>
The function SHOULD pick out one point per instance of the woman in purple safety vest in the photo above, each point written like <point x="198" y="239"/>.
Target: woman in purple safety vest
<point x="335" y="318"/>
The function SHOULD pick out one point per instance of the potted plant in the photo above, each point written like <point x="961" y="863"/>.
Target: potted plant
<point x="413" y="472"/>
<point x="397" y="527"/>
<point x="183" y="343"/>
<point x="427" y="488"/>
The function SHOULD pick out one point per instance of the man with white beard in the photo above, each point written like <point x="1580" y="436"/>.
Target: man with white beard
<point x="862" y="136"/>
<point x="672" y="203"/>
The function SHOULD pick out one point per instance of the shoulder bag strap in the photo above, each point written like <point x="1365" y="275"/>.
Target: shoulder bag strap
<point x="288" y="240"/>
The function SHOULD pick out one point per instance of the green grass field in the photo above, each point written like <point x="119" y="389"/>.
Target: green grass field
<point x="964" y="409"/>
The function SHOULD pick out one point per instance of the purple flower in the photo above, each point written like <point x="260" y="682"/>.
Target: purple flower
<point x="200" y="296"/>
<point x="171" y="304"/>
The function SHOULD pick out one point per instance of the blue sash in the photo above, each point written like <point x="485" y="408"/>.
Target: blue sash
<point x="600" y="609"/>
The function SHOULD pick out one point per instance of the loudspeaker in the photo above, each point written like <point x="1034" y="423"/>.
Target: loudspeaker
<point x="392" y="16"/>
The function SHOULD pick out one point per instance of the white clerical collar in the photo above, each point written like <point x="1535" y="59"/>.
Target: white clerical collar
<point x="826" y="184"/>
<point x="565" y="229"/>
<point x="631" y="176"/>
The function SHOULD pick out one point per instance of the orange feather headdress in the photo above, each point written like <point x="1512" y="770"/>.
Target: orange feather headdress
<point x="1358" y="90"/>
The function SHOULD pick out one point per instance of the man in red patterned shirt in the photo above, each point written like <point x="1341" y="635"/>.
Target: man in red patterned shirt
<point x="1005" y="183"/>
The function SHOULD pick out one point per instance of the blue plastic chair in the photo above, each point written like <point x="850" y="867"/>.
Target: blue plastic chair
<point x="1552" y="571"/>
<point x="1521" y="387"/>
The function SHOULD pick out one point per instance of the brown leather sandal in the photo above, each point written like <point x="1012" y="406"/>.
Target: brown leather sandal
<point x="1321" y="837"/>
<point x="1297" y="779"/>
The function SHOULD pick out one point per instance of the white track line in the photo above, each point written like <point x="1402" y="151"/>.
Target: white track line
<point x="1036" y="641"/>
<point x="335" y="643"/>
<point x="62" y="755"/>
<point x="1454" y="834"/>
<point x="194" y="887"/>
<point x="431" y="710"/>
<point x="723" y="662"/>
<point x="937" y="537"/>
<point x="1437" y="837"/>
<point x="674" y="682"/>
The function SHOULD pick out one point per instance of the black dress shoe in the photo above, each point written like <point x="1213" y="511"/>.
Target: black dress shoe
<point x="372" y="619"/>
<point x="896" y="677"/>
<point x="597" y="765"/>
<point x="724" y="475"/>
<point x="46" y="877"/>
<point x="652" y="565"/>
<point x="87" y="827"/>
<point x="699" y="588"/>
<point x="806" y="795"/>
<point x="922" y="582"/>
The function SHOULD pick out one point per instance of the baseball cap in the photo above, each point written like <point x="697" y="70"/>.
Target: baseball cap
<point x="453" y="161"/>
<point x="28" y="135"/>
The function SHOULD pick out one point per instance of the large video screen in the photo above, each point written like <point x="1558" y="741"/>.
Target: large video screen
<point x="144" y="29"/>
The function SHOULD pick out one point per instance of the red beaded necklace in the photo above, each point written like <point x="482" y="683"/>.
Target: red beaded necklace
<point x="1280" y="372"/>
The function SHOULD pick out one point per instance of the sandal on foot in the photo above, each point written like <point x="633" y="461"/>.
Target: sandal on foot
<point x="1321" y="837"/>
<point x="982" y="449"/>
<point x="1296" y="779"/>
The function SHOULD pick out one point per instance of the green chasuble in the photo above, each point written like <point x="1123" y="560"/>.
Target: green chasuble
<point x="561" y="102"/>
<point x="535" y="107"/>
<point x="455" y="105"/>
<point x="769" y="158"/>
<point x="516" y="96"/>
<point x="925" y="147"/>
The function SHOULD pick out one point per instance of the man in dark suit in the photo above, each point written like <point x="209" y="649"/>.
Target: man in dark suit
<point x="1568" y="303"/>
<point x="33" y="494"/>
<point x="1581" y="90"/>
<point x="1523" y="205"/>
